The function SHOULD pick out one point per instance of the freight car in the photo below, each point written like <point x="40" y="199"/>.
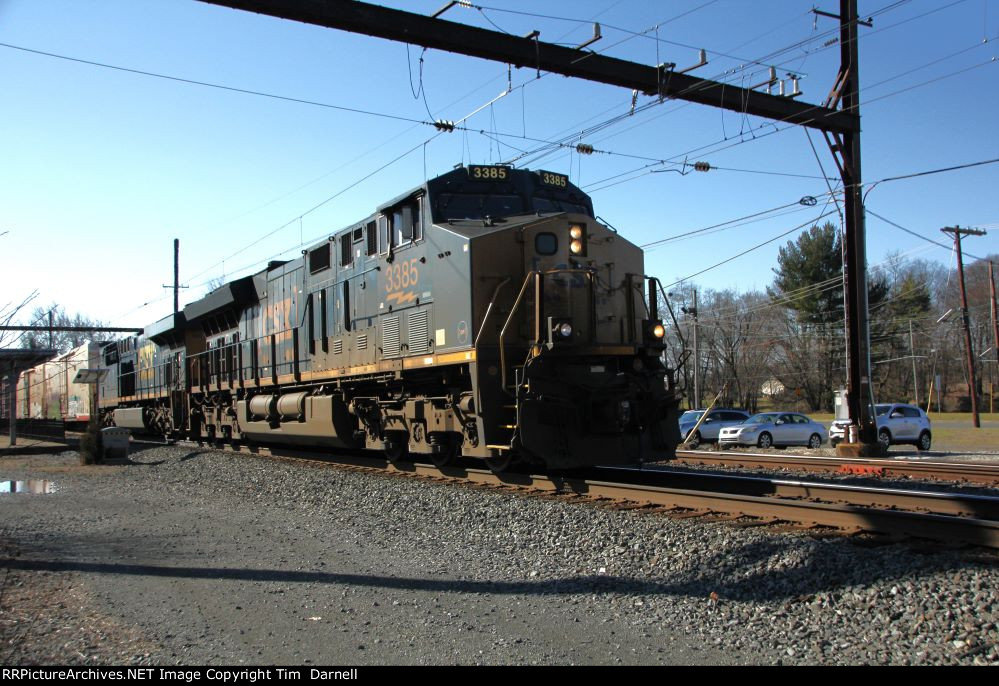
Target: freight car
<point x="485" y="313"/>
<point x="47" y="391"/>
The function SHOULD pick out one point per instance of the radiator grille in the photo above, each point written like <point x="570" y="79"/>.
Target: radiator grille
<point x="390" y="337"/>
<point x="419" y="332"/>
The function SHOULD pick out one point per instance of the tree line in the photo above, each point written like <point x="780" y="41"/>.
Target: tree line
<point x="786" y="346"/>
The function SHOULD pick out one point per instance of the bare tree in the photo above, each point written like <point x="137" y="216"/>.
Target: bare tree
<point x="62" y="341"/>
<point x="8" y="311"/>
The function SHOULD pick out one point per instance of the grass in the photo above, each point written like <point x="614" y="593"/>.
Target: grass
<point x="966" y="438"/>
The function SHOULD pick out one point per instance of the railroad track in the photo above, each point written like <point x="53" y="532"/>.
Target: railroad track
<point x="986" y="474"/>
<point x="742" y="500"/>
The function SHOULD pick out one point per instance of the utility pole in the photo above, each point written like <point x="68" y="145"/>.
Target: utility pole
<point x="697" y="358"/>
<point x="912" y="353"/>
<point x="972" y="383"/>
<point x="692" y="312"/>
<point x="176" y="276"/>
<point x="846" y="150"/>
<point x="995" y="332"/>
<point x="50" y="331"/>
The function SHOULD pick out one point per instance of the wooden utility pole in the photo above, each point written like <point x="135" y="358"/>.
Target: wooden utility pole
<point x="697" y="358"/>
<point x="969" y="354"/>
<point x="912" y="354"/>
<point x="176" y="275"/>
<point x="995" y="333"/>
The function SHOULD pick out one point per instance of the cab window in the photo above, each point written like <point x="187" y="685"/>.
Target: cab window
<point x="405" y="223"/>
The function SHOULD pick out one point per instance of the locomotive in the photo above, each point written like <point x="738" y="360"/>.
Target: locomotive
<point x="486" y="313"/>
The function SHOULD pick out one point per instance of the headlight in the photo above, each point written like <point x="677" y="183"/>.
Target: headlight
<point x="658" y="331"/>
<point x="565" y="329"/>
<point x="577" y="239"/>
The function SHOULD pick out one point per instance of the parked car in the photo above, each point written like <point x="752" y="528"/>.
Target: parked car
<point x="897" y="423"/>
<point x="775" y="429"/>
<point x="707" y="432"/>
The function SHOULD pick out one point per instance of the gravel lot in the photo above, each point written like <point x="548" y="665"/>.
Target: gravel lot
<point x="208" y="557"/>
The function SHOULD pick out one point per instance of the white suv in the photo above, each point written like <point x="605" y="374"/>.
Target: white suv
<point x="897" y="423"/>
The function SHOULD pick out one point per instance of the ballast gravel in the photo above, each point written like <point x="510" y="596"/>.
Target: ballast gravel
<point x="192" y="556"/>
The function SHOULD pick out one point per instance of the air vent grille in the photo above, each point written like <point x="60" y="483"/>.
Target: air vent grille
<point x="390" y="337"/>
<point x="419" y="332"/>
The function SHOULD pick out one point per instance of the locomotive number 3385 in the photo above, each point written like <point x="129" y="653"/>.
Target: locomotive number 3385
<point x="401" y="275"/>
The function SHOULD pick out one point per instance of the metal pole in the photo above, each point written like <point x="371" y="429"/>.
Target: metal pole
<point x="176" y="275"/>
<point x="912" y="352"/>
<point x="860" y="397"/>
<point x="12" y="383"/>
<point x="995" y="332"/>
<point x="968" y="352"/>
<point x="697" y="360"/>
<point x="51" y="346"/>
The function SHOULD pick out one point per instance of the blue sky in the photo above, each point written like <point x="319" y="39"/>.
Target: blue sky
<point x="100" y="169"/>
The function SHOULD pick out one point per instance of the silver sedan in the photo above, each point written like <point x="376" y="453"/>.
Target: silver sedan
<point x="774" y="428"/>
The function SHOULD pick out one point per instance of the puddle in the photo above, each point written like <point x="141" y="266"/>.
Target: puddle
<point x="34" y="486"/>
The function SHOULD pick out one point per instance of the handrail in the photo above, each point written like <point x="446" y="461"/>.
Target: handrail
<point x="513" y="310"/>
<point x="536" y="276"/>
<point x="489" y="309"/>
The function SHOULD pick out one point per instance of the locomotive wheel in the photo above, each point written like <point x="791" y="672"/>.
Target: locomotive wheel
<point x="450" y="450"/>
<point x="500" y="464"/>
<point x="396" y="446"/>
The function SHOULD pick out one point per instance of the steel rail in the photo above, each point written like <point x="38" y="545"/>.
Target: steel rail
<point x="887" y="468"/>
<point x="950" y="517"/>
<point x="949" y="503"/>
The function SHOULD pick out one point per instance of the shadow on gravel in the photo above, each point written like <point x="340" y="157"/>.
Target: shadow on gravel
<point x="722" y="576"/>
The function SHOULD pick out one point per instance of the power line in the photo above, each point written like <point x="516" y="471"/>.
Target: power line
<point x="206" y="84"/>
<point x="777" y="129"/>
<point x="920" y="236"/>
<point x="755" y="247"/>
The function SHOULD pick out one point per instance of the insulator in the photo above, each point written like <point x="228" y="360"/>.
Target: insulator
<point x="702" y="166"/>
<point x="584" y="149"/>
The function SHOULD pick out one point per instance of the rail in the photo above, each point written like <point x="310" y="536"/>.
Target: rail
<point x="849" y="509"/>
<point x="987" y="474"/>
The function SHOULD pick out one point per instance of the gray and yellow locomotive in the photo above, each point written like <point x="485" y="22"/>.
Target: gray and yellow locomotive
<point x="486" y="313"/>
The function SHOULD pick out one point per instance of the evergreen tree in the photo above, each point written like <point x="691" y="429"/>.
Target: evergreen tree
<point x="808" y="283"/>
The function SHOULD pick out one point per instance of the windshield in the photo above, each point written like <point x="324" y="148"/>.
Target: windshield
<point x="691" y="416"/>
<point x="555" y="205"/>
<point x="760" y="419"/>
<point x="882" y="409"/>
<point x="478" y="206"/>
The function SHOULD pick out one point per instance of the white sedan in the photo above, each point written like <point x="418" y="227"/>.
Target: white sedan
<point x="774" y="428"/>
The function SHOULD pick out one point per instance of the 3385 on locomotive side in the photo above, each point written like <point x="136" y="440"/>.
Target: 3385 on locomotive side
<point x="485" y="313"/>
